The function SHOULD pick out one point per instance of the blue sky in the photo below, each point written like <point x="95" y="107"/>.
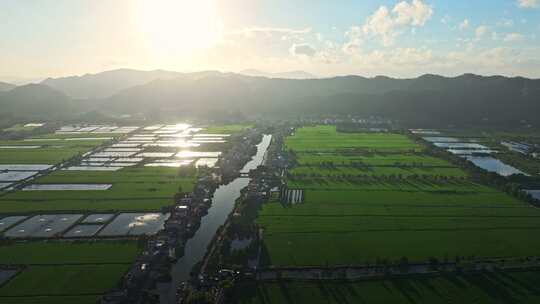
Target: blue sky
<point x="404" y="38"/>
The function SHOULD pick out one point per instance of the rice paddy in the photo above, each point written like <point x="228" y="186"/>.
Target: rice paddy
<point x="54" y="272"/>
<point x="513" y="287"/>
<point x="372" y="196"/>
<point x="106" y="191"/>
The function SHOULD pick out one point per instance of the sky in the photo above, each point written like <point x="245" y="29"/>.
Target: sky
<point x="404" y="38"/>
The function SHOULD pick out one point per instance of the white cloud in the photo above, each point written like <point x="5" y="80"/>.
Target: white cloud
<point x="481" y="31"/>
<point x="464" y="24"/>
<point x="302" y="49"/>
<point x="382" y="24"/>
<point x="251" y="31"/>
<point x="513" y="37"/>
<point x="389" y="24"/>
<point x="416" y="13"/>
<point x="527" y="3"/>
<point x="355" y="39"/>
<point x="506" y="23"/>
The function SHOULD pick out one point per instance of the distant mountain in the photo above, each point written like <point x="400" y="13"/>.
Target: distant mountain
<point x="4" y="86"/>
<point x="35" y="100"/>
<point x="284" y="75"/>
<point x="105" y="84"/>
<point x="427" y="100"/>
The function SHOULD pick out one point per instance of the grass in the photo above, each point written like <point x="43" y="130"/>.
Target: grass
<point x="387" y="203"/>
<point x="91" y="299"/>
<point x="309" y="139"/>
<point x="57" y="252"/>
<point x="377" y="171"/>
<point x="65" y="272"/>
<point x="134" y="189"/>
<point x="51" y="152"/>
<point x="354" y="228"/>
<point x="64" y="280"/>
<point x="369" y="159"/>
<point x="493" y="288"/>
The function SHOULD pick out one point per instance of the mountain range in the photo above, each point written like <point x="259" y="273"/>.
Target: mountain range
<point x="285" y="75"/>
<point x="424" y="101"/>
<point x="4" y="86"/>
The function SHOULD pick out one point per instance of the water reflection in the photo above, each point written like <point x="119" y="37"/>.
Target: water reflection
<point x="222" y="205"/>
<point x="494" y="165"/>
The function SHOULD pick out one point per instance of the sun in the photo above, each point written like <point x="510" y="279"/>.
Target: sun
<point x="178" y="27"/>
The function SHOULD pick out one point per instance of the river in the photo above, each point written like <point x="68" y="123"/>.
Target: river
<point x="222" y="205"/>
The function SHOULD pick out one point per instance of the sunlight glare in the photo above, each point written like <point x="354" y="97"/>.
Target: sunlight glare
<point x="178" y="27"/>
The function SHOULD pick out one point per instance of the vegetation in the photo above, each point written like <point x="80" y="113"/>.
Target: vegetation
<point x="359" y="208"/>
<point x="138" y="188"/>
<point x="64" y="280"/>
<point x="498" y="287"/>
<point x="59" y="252"/>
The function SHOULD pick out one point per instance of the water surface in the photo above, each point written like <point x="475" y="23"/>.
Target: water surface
<point x="494" y="165"/>
<point x="222" y="205"/>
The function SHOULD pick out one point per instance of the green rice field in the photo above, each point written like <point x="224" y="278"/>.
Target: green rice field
<point x="489" y="288"/>
<point x="53" y="149"/>
<point x="362" y="206"/>
<point x="133" y="189"/>
<point x="60" y="272"/>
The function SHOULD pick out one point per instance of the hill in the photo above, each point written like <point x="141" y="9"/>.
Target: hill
<point x="35" y="100"/>
<point x="4" y="86"/>
<point x="285" y="75"/>
<point x="429" y="99"/>
<point x="105" y="84"/>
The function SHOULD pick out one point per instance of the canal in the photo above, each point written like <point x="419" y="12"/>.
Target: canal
<point x="222" y="205"/>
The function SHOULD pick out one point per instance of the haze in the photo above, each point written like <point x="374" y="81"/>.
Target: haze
<point x="395" y="38"/>
<point x="269" y="151"/>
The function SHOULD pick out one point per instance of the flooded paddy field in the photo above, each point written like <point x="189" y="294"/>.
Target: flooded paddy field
<point x="92" y="168"/>
<point x="206" y="161"/>
<point x="155" y="155"/>
<point x="113" y="154"/>
<point x="51" y="150"/>
<point x="346" y="217"/>
<point x="107" y="193"/>
<point x="82" y="231"/>
<point x="192" y="154"/>
<point x="42" y="226"/>
<point x="7" y="274"/>
<point x="13" y="176"/>
<point x="36" y="167"/>
<point x="8" y="221"/>
<point x="99" y="218"/>
<point x="127" y="224"/>
<point x="132" y="188"/>
<point x="465" y="152"/>
<point x="95" y="129"/>
<point x="67" y="187"/>
<point x="534" y="193"/>
<point x="4" y="185"/>
<point x="494" y="165"/>
<point x="170" y="163"/>
<point x="20" y="147"/>
<point x="452" y="145"/>
<point x="504" y="153"/>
